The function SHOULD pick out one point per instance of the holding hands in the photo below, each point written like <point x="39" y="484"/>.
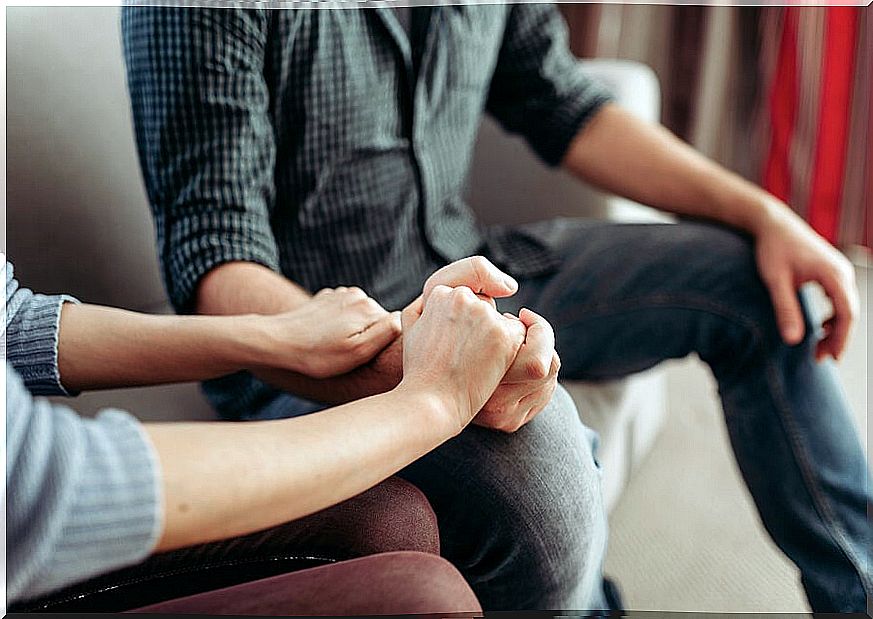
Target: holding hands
<point x="458" y="347"/>
<point x="496" y="370"/>
<point x="528" y="382"/>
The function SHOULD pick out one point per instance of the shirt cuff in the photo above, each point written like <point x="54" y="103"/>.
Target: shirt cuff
<point x="33" y="349"/>
<point x="199" y="243"/>
<point x="567" y="119"/>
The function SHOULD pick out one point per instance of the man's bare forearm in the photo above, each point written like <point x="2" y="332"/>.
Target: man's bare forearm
<point x="378" y="376"/>
<point x="249" y="288"/>
<point x="644" y="162"/>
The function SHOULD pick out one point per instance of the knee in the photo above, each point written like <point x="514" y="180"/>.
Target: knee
<point x="553" y="511"/>
<point x="720" y="260"/>
<point x="405" y="583"/>
<point x="723" y="268"/>
<point x="400" y="517"/>
<point x="392" y="516"/>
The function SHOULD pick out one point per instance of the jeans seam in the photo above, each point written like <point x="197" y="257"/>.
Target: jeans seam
<point x="834" y="528"/>
<point x="701" y="304"/>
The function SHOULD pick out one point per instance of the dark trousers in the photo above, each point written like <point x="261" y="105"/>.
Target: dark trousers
<point x="377" y="553"/>
<point x="521" y="515"/>
<point x="629" y="296"/>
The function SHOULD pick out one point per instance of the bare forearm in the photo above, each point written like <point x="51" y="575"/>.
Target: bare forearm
<point x="378" y="376"/>
<point x="241" y="287"/>
<point x="627" y="156"/>
<point x="247" y="288"/>
<point x="101" y="347"/>
<point x="287" y="469"/>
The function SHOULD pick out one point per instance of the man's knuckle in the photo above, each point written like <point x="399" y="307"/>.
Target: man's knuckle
<point x="481" y="309"/>
<point x="440" y="293"/>
<point x="458" y="298"/>
<point x="536" y="369"/>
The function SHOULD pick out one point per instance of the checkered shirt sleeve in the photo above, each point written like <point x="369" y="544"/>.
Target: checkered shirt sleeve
<point x="539" y="89"/>
<point x="205" y="141"/>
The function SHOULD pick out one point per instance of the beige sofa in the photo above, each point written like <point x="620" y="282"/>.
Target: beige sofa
<point x="78" y="220"/>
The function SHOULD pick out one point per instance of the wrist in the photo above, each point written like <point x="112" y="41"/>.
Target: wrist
<point x="256" y="345"/>
<point x="763" y="211"/>
<point x="439" y="407"/>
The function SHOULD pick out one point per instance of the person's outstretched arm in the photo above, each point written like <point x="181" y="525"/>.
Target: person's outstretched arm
<point x="333" y="332"/>
<point x="455" y="355"/>
<point x="164" y="486"/>
<point x="541" y="91"/>
<point x="60" y="346"/>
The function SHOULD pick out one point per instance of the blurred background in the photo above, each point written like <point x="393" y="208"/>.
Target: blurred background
<point x="782" y="95"/>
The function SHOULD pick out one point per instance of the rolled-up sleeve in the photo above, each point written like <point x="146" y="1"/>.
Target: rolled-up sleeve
<point x="204" y="137"/>
<point x="539" y="89"/>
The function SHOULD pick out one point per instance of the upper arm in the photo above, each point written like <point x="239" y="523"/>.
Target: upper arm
<point x="538" y="88"/>
<point x="205" y="140"/>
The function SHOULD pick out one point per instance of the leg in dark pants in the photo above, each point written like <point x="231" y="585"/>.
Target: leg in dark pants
<point x="390" y="517"/>
<point x="630" y="296"/>
<point x="520" y="515"/>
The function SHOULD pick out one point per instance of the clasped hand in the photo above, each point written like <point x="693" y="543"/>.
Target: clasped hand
<point x="497" y="370"/>
<point x="504" y="392"/>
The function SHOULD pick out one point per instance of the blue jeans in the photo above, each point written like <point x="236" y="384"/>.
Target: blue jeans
<point x="630" y="296"/>
<point x="521" y="515"/>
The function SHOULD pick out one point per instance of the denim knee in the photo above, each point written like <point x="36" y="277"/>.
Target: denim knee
<point x="723" y="276"/>
<point x="551" y="513"/>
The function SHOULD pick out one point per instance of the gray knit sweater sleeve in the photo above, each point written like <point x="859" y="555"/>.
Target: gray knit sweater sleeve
<point x="83" y="495"/>
<point x="31" y="326"/>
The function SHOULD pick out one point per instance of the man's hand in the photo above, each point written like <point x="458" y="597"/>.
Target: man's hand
<point x="458" y="348"/>
<point x="476" y="273"/>
<point x="531" y="380"/>
<point x="789" y="254"/>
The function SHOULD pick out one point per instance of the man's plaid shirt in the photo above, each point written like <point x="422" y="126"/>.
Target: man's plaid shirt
<point x="306" y="141"/>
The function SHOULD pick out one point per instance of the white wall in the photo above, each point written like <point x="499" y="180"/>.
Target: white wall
<point x="77" y="215"/>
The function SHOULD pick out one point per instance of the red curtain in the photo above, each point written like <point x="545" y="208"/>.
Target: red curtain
<point x="833" y="208"/>
<point x="782" y="95"/>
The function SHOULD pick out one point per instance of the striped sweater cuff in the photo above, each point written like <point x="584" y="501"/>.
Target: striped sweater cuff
<point x="33" y="349"/>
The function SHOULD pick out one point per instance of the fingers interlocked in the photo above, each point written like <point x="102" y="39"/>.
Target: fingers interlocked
<point x="529" y="383"/>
